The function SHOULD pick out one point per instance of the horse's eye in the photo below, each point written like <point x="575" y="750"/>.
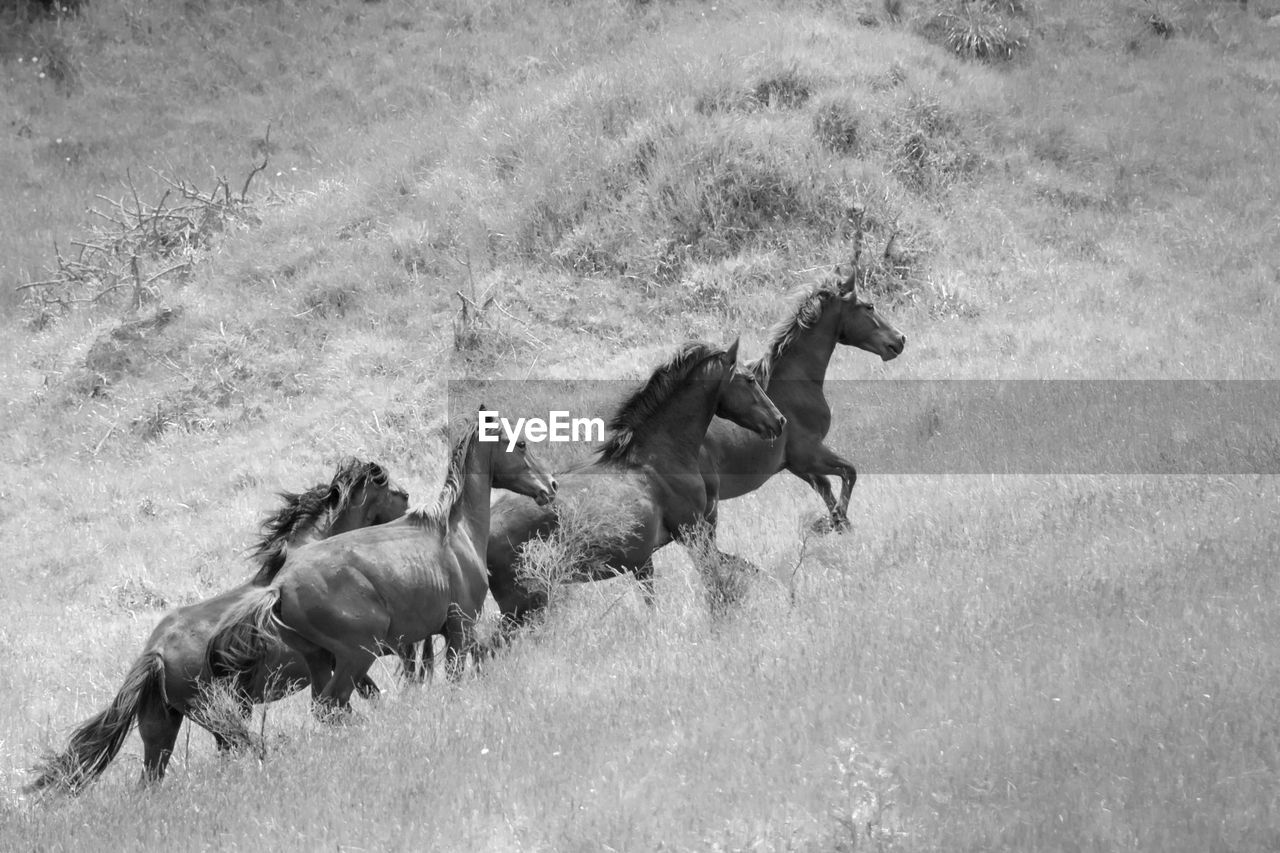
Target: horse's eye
<point x="520" y="444"/>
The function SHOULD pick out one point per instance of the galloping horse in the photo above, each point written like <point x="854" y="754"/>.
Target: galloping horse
<point x="164" y="684"/>
<point x="338" y="601"/>
<point x="735" y="462"/>
<point x="646" y="471"/>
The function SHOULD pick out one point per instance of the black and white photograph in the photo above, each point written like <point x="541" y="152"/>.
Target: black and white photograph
<point x="542" y="426"/>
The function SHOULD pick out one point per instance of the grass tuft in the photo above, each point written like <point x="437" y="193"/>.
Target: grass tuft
<point x="58" y="62"/>
<point x="726" y="578"/>
<point x="837" y="124"/>
<point x="979" y="29"/>
<point x="1159" y="20"/>
<point x="128" y="349"/>
<point x="932" y="148"/>
<point x="329" y="299"/>
<point x="135" y="594"/>
<point x="786" y="88"/>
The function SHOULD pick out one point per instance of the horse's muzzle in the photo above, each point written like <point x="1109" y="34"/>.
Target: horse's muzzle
<point x="545" y="496"/>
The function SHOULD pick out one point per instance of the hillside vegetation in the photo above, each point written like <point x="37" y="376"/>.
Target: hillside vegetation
<point x="983" y="663"/>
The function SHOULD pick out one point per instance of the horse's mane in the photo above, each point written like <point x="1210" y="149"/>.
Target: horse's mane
<point x="645" y="401"/>
<point x="437" y="514"/>
<point x="314" y="509"/>
<point x="808" y="308"/>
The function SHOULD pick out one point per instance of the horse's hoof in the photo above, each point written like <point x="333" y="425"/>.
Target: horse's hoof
<point x="335" y="715"/>
<point x="822" y="525"/>
<point x="738" y="565"/>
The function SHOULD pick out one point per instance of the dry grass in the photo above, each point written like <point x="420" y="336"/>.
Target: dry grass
<point x="588" y="528"/>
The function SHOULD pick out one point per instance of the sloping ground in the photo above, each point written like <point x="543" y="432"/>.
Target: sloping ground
<point x="985" y="663"/>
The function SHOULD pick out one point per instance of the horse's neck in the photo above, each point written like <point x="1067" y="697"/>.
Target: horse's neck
<point x="470" y="512"/>
<point x="809" y="353"/>
<point x="311" y="533"/>
<point x="676" y="430"/>
<point x="349" y="520"/>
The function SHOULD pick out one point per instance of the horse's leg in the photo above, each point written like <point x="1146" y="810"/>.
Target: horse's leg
<point x="820" y="485"/>
<point x="713" y="546"/>
<point x="368" y="688"/>
<point x="500" y="638"/>
<point x="349" y="665"/>
<point x="408" y="654"/>
<point x="814" y="467"/>
<point x="158" y="725"/>
<point x="320" y="665"/>
<point x="428" y="664"/>
<point x="459" y="638"/>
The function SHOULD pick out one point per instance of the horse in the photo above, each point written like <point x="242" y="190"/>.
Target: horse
<point x="646" y="472"/>
<point x="339" y="601"/>
<point x="735" y="462"/>
<point x="165" y="683"/>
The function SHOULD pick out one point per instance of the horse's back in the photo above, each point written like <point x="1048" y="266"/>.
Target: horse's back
<point x="182" y="638"/>
<point x="393" y="579"/>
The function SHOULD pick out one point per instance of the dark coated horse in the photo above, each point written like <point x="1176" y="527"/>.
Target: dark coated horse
<point x="164" y="685"/>
<point x="734" y="461"/>
<point x="339" y="601"/>
<point x="646" y="472"/>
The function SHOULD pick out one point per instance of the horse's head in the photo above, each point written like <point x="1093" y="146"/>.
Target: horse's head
<point x="744" y="402"/>
<point x="516" y="469"/>
<point x="364" y="496"/>
<point x="381" y="498"/>
<point x="860" y="326"/>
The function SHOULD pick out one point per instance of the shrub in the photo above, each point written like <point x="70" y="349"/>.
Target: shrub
<point x="589" y="527"/>
<point x="121" y="255"/>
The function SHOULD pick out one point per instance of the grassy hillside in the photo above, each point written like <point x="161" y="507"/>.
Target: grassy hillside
<point x="1020" y="663"/>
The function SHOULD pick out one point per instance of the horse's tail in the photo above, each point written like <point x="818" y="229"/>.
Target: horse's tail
<point x="241" y="639"/>
<point x="98" y="740"/>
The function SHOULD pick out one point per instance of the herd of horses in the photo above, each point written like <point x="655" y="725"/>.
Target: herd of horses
<point x="348" y="571"/>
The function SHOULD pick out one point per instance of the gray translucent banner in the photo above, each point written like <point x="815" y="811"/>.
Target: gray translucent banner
<point x="982" y="426"/>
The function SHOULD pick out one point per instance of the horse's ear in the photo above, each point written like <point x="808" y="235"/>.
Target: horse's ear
<point x="733" y="350"/>
<point x="850" y="284"/>
<point x="856" y="213"/>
